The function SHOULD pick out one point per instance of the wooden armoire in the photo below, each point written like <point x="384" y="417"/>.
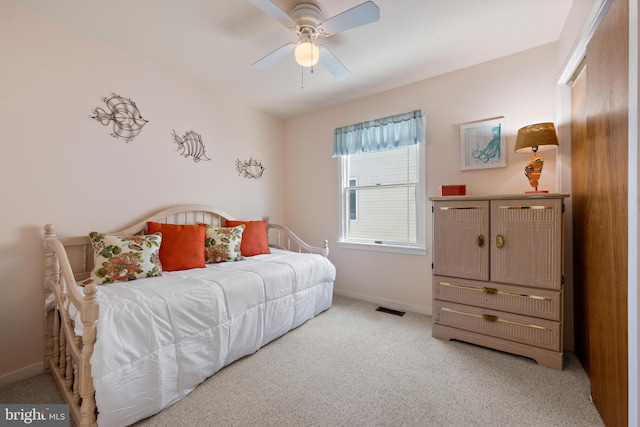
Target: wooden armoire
<point x="599" y="158"/>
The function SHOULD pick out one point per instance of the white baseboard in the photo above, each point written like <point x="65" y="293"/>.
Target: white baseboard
<point x="395" y="305"/>
<point x="21" y="374"/>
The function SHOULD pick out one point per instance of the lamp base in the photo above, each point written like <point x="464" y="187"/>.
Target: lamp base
<point x="537" y="192"/>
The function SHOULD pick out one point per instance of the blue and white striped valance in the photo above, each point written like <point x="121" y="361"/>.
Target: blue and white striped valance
<point x="380" y="134"/>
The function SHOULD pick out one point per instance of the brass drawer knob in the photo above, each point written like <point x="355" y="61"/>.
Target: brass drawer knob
<point x="490" y="291"/>
<point x="490" y="318"/>
<point x="481" y="241"/>
<point x="499" y="241"/>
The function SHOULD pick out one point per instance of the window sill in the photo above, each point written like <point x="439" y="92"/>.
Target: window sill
<point x="409" y="250"/>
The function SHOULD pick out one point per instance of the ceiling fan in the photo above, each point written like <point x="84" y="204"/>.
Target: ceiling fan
<point x="307" y="21"/>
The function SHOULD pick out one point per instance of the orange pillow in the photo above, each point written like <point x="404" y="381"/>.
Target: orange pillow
<point x="182" y="246"/>
<point x="254" y="238"/>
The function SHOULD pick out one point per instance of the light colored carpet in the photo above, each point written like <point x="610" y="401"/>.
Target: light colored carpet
<point x="354" y="366"/>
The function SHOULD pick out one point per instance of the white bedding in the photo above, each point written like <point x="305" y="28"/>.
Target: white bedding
<point x="158" y="338"/>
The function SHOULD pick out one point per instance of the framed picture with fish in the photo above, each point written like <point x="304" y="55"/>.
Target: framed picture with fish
<point x="483" y="144"/>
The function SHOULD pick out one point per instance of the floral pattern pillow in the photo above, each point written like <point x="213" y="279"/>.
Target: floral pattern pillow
<point x="124" y="258"/>
<point x="223" y="244"/>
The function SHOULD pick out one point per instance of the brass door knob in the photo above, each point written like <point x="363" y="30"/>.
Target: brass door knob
<point x="499" y="241"/>
<point x="481" y="241"/>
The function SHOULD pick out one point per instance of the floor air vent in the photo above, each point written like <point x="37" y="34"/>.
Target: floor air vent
<point x="390" y="311"/>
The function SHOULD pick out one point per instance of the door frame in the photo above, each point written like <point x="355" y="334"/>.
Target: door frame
<point x="563" y="97"/>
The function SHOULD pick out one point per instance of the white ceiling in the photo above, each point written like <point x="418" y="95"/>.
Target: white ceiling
<point x="216" y="41"/>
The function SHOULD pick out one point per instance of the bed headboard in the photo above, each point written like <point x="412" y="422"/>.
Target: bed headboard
<point x="80" y="251"/>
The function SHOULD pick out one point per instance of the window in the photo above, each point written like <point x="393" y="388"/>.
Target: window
<point x="382" y="194"/>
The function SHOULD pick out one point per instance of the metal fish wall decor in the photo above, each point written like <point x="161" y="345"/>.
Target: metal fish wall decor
<point x="191" y="145"/>
<point x="126" y="118"/>
<point x="250" y="168"/>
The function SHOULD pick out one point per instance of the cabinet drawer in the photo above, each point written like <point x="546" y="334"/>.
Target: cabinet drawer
<point x="522" y="329"/>
<point x="496" y="296"/>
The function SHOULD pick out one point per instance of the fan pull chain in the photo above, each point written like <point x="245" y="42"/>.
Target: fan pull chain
<point x="301" y="77"/>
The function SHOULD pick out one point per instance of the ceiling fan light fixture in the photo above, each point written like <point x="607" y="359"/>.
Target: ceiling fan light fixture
<point x="307" y="21"/>
<point x="307" y="54"/>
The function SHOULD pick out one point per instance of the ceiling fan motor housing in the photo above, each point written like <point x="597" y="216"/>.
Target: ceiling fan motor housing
<point x="307" y="16"/>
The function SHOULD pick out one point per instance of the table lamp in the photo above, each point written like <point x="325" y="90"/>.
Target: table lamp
<point x="534" y="138"/>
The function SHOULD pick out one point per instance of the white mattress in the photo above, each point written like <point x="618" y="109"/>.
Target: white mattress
<point x="158" y="338"/>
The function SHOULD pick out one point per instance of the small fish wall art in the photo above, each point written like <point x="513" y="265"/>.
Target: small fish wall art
<point x="249" y="168"/>
<point x="191" y="146"/>
<point x="123" y="112"/>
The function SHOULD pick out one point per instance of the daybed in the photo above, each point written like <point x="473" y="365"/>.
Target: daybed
<point x="123" y="351"/>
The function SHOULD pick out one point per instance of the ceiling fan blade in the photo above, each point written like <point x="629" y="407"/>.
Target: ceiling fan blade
<point x="362" y="14"/>
<point x="274" y="56"/>
<point x="332" y="64"/>
<point x="271" y="9"/>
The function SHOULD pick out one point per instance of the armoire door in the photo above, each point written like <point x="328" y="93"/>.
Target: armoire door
<point x="599" y="194"/>
<point x="526" y="242"/>
<point x="461" y="234"/>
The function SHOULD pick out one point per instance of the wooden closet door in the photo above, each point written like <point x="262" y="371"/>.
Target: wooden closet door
<point x="581" y="227"/>
<point x="599" y="193"/>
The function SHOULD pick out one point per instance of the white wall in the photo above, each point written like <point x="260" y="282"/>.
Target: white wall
<point x="571" y="43"/>
<point x="59" y="166"/>
<point x="520" y="87"/>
